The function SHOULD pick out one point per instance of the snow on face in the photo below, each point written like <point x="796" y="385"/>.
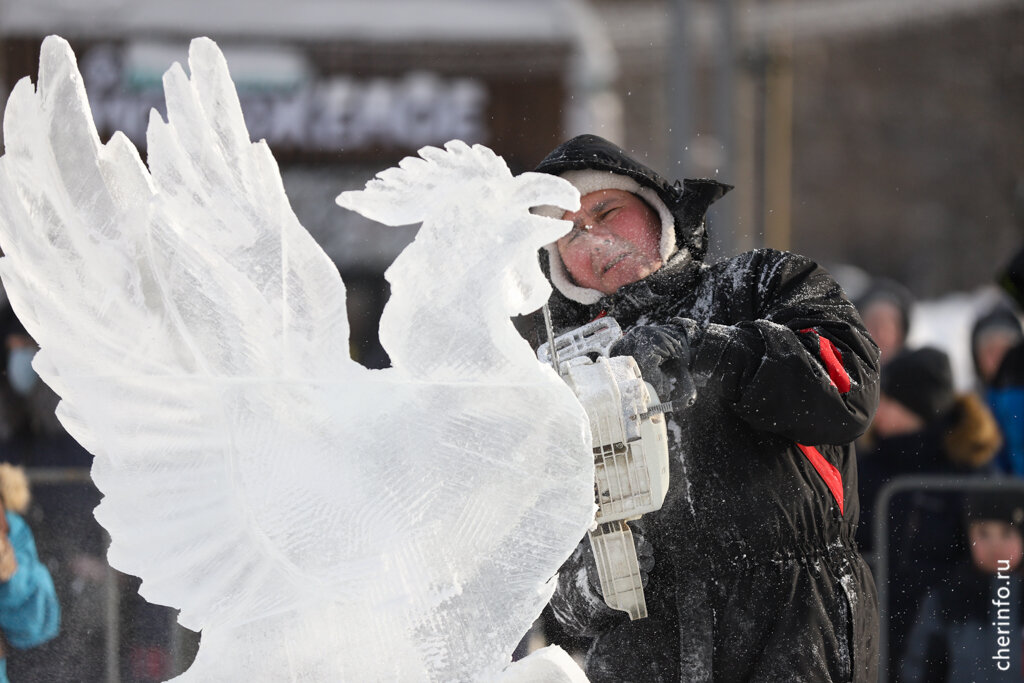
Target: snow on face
<point x="615" y="240"/>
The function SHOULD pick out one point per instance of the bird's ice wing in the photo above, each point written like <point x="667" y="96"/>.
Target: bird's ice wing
<point x="167" y="303"/>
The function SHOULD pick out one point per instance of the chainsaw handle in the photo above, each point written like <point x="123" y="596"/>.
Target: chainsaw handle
<point x="618" y="568"/>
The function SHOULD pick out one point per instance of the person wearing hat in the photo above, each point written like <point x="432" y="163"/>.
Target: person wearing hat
<point x="922" y="427"/>
<point x="993" y="334"/>
<point x="916" y="390"/>
<point x="886" y="307"/>
<point x="971" y="628"/>
<point x="755" y="574"/>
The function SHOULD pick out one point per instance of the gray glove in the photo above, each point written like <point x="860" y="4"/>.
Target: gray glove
<point x="663" y="354"/>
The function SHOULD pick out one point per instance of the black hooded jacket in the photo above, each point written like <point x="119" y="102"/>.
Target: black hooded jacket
<point x="763" y="478"/>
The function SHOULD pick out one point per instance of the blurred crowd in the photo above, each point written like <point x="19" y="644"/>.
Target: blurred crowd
<point x="948" y="553"/>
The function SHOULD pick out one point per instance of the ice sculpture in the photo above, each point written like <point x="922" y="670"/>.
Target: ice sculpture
<point x="318" y="521"/>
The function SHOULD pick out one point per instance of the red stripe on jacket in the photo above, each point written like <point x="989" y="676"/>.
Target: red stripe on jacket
<point x="827" y="471"/>
<point x="832" y="357"/>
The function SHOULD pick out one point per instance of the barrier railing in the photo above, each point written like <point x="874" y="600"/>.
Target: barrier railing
<point x="881" y="532"/>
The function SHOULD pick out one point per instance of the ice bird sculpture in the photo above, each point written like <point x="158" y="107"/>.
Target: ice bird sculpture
<point x="318" y="521"/>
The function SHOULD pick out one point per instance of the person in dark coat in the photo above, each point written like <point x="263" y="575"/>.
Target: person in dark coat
<point x="922" y="427"/>
<point x="755" y="574"/>
<point x="972" y="628"/>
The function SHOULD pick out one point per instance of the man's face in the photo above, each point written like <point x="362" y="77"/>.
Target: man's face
<point x="991" y="348"/>
<point x="885" y="325"/>
<point x="615" y="240"/>
<point x="894" y="419"/>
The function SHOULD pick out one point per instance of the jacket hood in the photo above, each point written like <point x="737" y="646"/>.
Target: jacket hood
<point x="1001" y="319"/>
<point x="687" y="202"/>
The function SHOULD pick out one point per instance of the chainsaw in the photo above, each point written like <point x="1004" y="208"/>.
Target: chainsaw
<point x="630" y="449"/>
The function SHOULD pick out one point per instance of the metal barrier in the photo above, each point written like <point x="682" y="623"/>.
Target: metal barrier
<point x="881" y="535"/>
<point x="112" y="619"/>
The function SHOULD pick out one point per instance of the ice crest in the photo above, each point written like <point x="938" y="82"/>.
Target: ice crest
<point x="315" y="519"/>
<point x="473" y="263"/>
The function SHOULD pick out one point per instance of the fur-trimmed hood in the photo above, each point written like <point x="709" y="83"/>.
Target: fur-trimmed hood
<point x="973" y="436"/>
<point x="966" y="439"/>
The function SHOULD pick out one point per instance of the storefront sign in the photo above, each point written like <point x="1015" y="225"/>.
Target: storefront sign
<point x="307" y="115"/>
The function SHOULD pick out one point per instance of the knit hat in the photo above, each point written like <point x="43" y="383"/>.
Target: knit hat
<point x="593" y="180"/>
<point x="922" y="381"/>
<point x="883" y="289"/>
<point x="1003" y="506"/>
<point x="999" y="320"/>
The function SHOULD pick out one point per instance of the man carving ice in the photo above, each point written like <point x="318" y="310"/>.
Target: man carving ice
<point x="755" y="575"/>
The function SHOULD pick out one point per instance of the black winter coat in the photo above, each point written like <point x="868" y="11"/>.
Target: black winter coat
<point x="756" y="574"/>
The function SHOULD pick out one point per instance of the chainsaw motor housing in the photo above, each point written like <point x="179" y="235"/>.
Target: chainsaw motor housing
<point x="630" y="445"/>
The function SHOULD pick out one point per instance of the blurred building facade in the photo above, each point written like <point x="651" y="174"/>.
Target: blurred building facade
<point x="878" y="134"/>
<point x="884" y="135"/>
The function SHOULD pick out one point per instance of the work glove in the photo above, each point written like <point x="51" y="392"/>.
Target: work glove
<point x="663" y="355"/>
<point x="644" y="556"/>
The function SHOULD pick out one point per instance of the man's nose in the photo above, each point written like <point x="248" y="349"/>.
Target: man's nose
<point x="598" y="232"/>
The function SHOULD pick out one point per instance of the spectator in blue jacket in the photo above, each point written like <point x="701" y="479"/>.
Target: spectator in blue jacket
<point x="29" y="611"/>
<point x="1006" y="399"/>
<point x="1006" y="393"/>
